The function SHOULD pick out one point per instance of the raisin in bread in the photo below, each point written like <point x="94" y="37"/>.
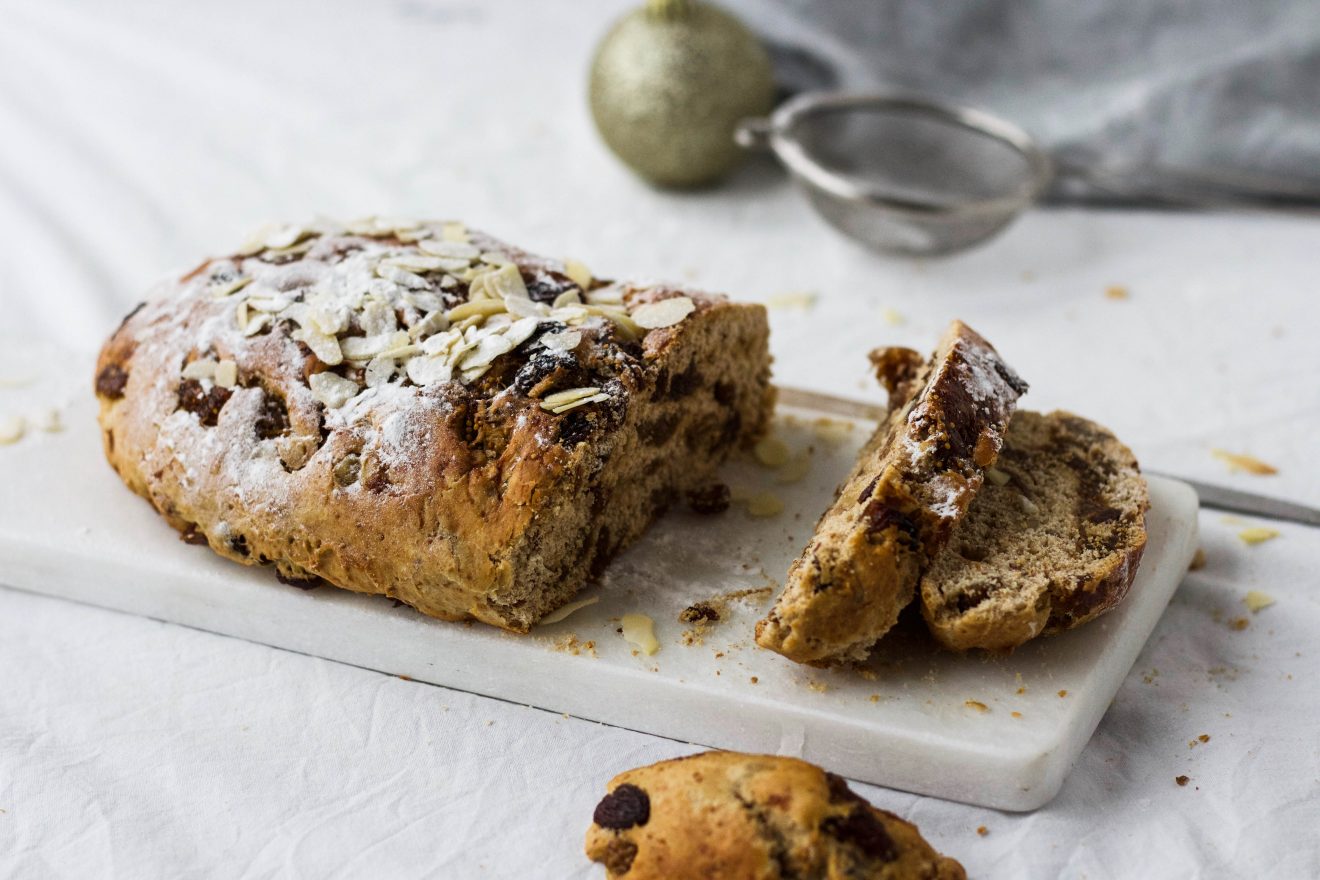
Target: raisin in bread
<point x="423" y="412"/>
<point x="914" y="479"/>
<point x="752" y="817"/>
<point x="1052" y="540"/>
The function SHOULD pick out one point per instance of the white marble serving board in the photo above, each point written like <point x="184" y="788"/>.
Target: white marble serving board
<point x="999" y="732"/>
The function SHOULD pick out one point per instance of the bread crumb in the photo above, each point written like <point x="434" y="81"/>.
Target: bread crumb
<point x="640" y="631"/>
<point x="1181" y="780"/>
<point x="1022" y="689"/>
<point x="1117" y="291"/>
<point x="795" y="300"/>
<point x="1258" y="534"/>
<point x="1257" y="601"/>
<point x="569" y="644"/>
<point x="982" y="830"/>
<point x="819" y="687"/>
<point x="874" y="698"/>
<point x="892" y="317"/>
<point x="1198" y="560"/>
<point x="977" y="705"/>
<point x="1239" y="462"/>
<point x="755" y="680"/>
<point x="1063" y="693"/>
<point x="1015" y="714"/>
<point x="1205" y="738"/>
<point x="406" y="677"/>
<point x="1239" y="624"/>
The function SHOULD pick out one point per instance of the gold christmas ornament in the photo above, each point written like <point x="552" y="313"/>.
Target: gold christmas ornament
<point x="669" y="83"/>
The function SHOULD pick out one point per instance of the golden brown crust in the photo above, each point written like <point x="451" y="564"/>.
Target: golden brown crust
<point x="1053" y="540"/>
<point x="465" y="496"/>
<point x="752" y="817"/>
<point x="911" y="483"/>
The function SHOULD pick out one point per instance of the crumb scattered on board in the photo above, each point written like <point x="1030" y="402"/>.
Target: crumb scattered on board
<point x="1063" y="694"/>
<point x="1117" y="291"/>
<point x="569" y="644"/>
<point x="1238" y="624"/>
<point x="1246" y="463"/>
<point x="977" y="705"/>
<point x="1257" y="601"/>
<point x="892" y="317"/>
<point x="1198" y="560"/>
<point x="982" y="830"/>
<point x="1258" y="535"/>
<point x="1181" y="780"/>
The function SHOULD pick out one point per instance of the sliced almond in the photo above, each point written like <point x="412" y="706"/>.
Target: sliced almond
<point x="664" y="313"/>
<point x="559" y="398"/>
<point x="226" y="374"/>
<point x="332" y="390"/>
<point x="470" y="309"/>
<point x="202" y="368"/>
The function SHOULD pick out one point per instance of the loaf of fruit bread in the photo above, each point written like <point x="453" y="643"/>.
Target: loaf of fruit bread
<point x="912" y="482"/>
<point x="420" y="411"/>
<point x="752" y="817"/>
<point x="1052" y="540"/>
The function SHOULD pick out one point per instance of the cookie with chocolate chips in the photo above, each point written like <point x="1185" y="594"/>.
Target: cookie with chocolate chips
<point x="752" y="817"/>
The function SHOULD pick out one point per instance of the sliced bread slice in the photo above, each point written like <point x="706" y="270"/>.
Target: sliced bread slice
<point x="1052" y="540"/>
<point x="912" y="482"/>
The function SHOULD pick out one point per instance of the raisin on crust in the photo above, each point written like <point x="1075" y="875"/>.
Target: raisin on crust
<point x="1052" y="541"/>
<point x="914" y="479"/>
<point x="415" y="410"/>
<point x="753" y="817"/>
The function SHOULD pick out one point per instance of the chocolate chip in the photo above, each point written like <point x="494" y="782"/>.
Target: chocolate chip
<point x="206" y="405"/>
<point x="624" y="807"/>
<point x="881" y="517"/>
<point x="110" y="381"/>
<point x="866" y="493"/>
<point x="862" y="829"/>
<point x="190" y="535"/>
<point x="710" y="499"/>
<point x="545" y="286"/>
<point x="619" y="855"/>
<point x="840" y="793"/>
<point x="303" y="583"/>
<point x="272" y="417"/>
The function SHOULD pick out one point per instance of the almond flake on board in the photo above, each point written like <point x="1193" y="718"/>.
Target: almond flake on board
<point x="639" y="630"/>
<point x="563" y="612"/>
<point x="578" y="273"/>
<point x="764" y="504"/>
<point x="1258" y="534"/>
<point x="772" y="452"/>
<point x="1249" y="464"/>
<point x="1256" y="601"/>
<point x="11" y="429"/>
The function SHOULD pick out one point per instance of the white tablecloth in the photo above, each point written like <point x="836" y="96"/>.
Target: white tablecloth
<point x="136" y="137"/>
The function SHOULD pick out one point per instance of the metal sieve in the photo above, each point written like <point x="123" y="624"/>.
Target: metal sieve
<point x="901" y="173"/>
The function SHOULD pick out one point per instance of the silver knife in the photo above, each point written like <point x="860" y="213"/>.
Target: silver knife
<point x="1212" y="496"/>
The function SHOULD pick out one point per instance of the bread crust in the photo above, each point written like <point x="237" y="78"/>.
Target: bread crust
<point x="752" y="817"/>
<point x="1093" y="547"/>
<point x="914" y="479"/>
<point x="464" y="499"/>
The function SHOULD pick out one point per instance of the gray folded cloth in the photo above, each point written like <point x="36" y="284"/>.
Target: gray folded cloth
<point x="1126" y="96"/>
